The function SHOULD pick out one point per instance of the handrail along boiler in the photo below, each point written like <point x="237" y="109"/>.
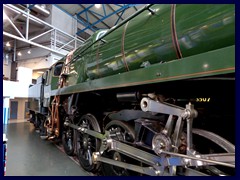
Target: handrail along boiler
<point x="148" y="96"/>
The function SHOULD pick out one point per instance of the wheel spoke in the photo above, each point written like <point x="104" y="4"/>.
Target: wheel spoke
<point x="216" y="144"/>
<point x="86" y="144"/>
<point x="67" y="140"/>
<point x="122" y="132"/>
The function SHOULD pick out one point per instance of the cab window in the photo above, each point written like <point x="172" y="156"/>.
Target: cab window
<point x="58" y="69"/>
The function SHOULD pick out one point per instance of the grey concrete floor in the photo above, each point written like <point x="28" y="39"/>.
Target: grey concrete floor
<point x="28" y="155"/>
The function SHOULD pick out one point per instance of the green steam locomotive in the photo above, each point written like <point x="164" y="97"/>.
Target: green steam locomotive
<point x="148" y="96"/>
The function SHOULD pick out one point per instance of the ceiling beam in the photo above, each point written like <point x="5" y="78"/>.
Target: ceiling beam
<point x="88" y="11"/>
<point x="77" y="19"/>
<point x="120" y="17"/>
<point x="39" y="20"/>
<point x="108" y="15"/>
<point x="18" y="15"/>
<point x="110" y="7"/>
<point x="84" y="9"/>
<point x="33" y="43"/>
<point x="86" y="23"/>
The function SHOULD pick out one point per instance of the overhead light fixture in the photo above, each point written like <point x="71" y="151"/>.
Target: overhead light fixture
<point x="97" y="5"/>
<point x="29" y="51"/>
<point x="19" y="53"/>
<point x="40" y="72"/>
<point x="4" y="16"/>
<point x="8" y="44"/>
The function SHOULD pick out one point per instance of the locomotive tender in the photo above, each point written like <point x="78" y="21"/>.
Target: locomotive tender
<point x="148" y="96"/>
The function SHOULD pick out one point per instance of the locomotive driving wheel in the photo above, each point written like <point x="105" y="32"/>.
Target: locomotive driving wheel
<point x="215" y="144"/>
<point x="87" y="144"/>
<point x="123" y="132"/>
<point x="67" y="141"/>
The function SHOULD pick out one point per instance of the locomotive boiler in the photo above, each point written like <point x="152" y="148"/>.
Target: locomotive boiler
<point x="148" y="96"/>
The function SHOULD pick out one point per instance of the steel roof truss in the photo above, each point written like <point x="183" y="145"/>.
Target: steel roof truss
<point x="101" y="20"/>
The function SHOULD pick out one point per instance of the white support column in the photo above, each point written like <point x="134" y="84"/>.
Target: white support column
<point x="55" y="39"/>
<point x="27" y="22"/>
<point x="6" y="111"/>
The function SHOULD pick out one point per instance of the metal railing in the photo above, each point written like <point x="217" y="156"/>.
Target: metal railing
<point x="70" y="42"/>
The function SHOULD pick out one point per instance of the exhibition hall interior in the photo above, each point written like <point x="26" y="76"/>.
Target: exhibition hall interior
<point x="119" y="90"/>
